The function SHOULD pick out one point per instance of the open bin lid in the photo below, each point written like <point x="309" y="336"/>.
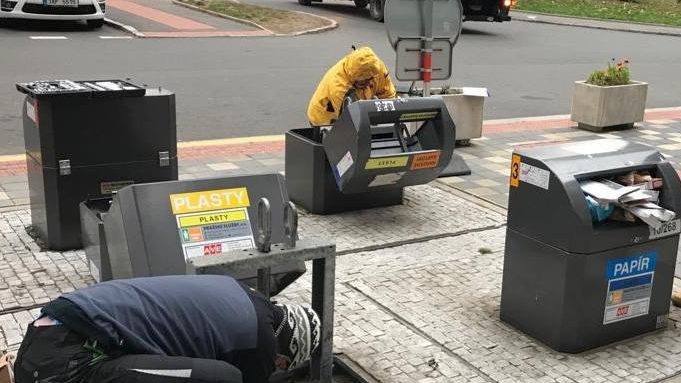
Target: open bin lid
<point x="389" y="144"/>
<point x="547" y="203"/>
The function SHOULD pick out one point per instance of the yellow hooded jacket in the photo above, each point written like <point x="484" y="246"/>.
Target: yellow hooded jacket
<point x="326" y="102"/>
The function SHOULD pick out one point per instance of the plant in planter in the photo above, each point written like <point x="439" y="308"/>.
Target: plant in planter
<point x="608" y="99"/>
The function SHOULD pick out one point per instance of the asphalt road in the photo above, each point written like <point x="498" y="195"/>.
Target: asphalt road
<point x="230" y="87"/>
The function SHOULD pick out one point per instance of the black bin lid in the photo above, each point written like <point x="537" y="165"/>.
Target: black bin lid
<point x="93" y="88"/>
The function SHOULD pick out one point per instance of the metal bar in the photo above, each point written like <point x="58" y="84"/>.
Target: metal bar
<point x="323" y="284"/>
<point x="263" y="283"/>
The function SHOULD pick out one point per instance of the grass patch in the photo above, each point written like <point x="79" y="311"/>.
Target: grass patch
<point x="666" y="12"/>
<point x="276" y="20"/>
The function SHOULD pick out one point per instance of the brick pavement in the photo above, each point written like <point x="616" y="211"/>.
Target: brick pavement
<point x="417" y="300"/>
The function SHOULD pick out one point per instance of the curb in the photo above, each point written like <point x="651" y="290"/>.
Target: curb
<point x="489" y="127"/>
<point x="333" y="23"/>
<point x="124" y="27"/>
<point x="608" y="25"/>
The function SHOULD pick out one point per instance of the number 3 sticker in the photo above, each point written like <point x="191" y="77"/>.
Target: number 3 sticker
<point x="515" y="170"/>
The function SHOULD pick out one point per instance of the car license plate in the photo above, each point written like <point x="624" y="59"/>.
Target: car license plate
<point x="60" y="3"/>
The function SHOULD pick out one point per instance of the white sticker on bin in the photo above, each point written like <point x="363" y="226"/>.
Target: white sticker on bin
<point x="666" y="229"/>
<point x="386" y="179"/>
<point x="533" y="175"/>
<point x="30" y="111"/>
<point x="344" y="164"/>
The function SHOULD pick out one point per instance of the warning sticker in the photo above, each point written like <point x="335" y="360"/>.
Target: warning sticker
<point x="30" y="112"/>
<point x="426" y="160"/>
<point x="417" y="116"/>
<point x="114" y="186"/>
<point x="209" y="200"/>
<point x="344" y="164"/>
<point x="630" y="286"/>
<point x="386" y="162"/>
<point x="214" y="232"/>
<point x="533" y="175"/>
<point x="515" y="170"/>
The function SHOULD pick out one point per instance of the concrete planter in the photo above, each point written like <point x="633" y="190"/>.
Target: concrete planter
<point x="467" y="112"/>
<point x="598" y="107"/>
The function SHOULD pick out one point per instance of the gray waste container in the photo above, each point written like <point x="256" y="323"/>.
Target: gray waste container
<point x="369" y="155"/>
<point x="572" y="283"/>
<point x="86" y="139"/>
<point x="153" y="229"/>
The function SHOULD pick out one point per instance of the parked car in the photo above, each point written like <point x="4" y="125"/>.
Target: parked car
<point x="473" y="10"/>
<point x="92" y="11"/>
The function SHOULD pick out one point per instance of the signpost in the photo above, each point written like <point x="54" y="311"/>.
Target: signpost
<point x="423" y="33"/>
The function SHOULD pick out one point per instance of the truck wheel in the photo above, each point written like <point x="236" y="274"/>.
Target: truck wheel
<point x="305" y="2"/>
<point x="376" y="8"/>
<point x="361" y="4"/>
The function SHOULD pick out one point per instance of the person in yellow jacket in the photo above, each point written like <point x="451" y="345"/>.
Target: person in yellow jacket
<point x="361" y="72"/>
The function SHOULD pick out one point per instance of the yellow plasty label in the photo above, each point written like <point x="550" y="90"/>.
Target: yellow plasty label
<point x="209" y="200"/>
<point x="386" y="162"/>
<point x="208" y="219"/>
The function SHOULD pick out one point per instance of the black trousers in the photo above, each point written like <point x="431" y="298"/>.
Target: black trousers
<point x="54" y="354"/>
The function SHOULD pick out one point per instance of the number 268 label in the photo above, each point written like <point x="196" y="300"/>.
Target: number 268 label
<point x="667" y="228"/>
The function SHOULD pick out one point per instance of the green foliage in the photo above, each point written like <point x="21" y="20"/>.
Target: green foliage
<point x="617" y="73"/>
<point x="642" y="11"/>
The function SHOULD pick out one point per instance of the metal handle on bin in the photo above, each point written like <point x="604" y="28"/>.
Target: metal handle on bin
<point x="263" y="238"/>
<point x="290" y="224"/>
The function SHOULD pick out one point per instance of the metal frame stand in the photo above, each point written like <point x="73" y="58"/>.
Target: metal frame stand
<point x="323" y="257"/>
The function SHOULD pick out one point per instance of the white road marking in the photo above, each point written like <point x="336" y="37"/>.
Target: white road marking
<point x="48" y="37"/>
<point x="115" y="37"/>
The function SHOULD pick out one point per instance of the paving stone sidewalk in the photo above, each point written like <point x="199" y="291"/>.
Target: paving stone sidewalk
<point x="417" y="301"/>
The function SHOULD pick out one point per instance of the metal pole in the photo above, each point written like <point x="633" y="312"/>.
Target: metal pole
<point x="427" y="46"/>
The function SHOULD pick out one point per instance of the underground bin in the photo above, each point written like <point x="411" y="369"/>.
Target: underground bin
<point x="374" y="150"/>
<point x="569" y="281"/>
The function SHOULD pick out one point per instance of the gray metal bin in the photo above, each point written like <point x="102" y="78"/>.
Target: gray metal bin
<point x="574" y="284"/>
<point x="154" y="229"/>
<point x="87" y="139"/>
<point x="370" y="155"/>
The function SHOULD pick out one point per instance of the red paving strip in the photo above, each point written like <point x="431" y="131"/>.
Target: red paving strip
<point x="208" y="34"/>
<point x="216" y="151"/>
<point x="18" y="168"/>
<point x="12" y="168"/>
<point x="165" y="18"/>
<point x="526" y="126"/>
<point x="547" y="124"/>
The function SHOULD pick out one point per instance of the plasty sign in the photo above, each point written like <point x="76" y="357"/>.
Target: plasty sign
<point x="209" y="200"/>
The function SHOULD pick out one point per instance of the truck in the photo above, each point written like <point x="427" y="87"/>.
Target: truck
<point x="473" y="10"/>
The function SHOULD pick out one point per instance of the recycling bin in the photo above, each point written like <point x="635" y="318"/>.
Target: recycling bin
<point x="87" y="139"/>
<point x="569" y="281"/>
<point x="374" y="150"/>
<point x="92" y="214"/>
<point x="153" y="229"/>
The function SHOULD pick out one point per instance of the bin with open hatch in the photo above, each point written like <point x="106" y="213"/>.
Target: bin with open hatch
<point x="153" y="229"/>
<point x="591" y="242"/>
<point x="374" y="150"/>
